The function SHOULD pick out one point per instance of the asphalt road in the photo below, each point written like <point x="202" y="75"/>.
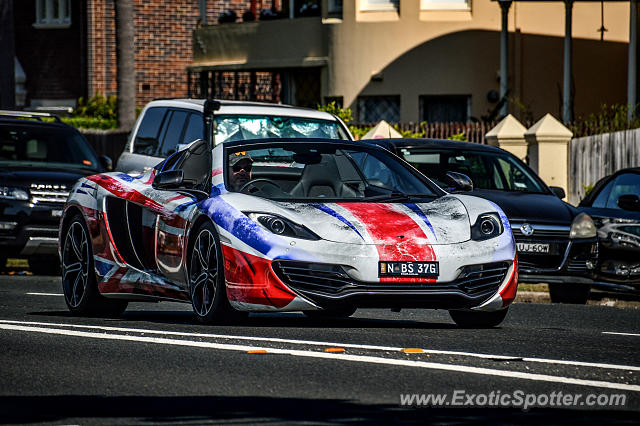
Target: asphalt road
<point x="156" y="365"/>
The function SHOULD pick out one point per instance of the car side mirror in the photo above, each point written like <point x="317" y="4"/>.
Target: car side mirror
<point x="558" y="192"/>
<point x="169" y="180"/>
<point x="629" y="202"/>
<point x="106" y="162"/>
<point x="459" y="181"/>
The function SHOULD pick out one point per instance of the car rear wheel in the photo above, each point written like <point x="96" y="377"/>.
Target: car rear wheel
<point x="478" y="319"/>
<point x="576" y="294"/>
<point x="206" y="278"/>
<point x="79" y="283"/>
<point x="341" y="312"/>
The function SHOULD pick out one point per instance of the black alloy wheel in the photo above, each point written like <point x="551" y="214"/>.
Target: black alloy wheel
<point x="206" y="278"/>
<point x="78" y="275"/>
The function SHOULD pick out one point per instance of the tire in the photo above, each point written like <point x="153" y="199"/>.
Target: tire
<point x="478" y="319"/>
<point x="339" y="312"/>
<point x="79" y="283"/>
<point x="44" y="265"/>
<point x="576" y="294"/>
<point x="206" y="278"/>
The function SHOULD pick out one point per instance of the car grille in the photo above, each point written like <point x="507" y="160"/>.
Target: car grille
<point x="326" y="279"/>
<point x="47" y="193"/>
<point x="557" y="236"/>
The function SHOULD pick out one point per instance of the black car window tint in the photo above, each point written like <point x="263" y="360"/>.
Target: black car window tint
<point x="601" y="199"/>
<point x="146" y="141"/>
<point x="624" y="184"/>
<point x="173" y="134"/>
<point x="194" y="130"/>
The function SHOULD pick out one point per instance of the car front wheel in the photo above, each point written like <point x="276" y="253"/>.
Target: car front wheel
<point x="79" y="283"/>
<point x="576" y="294"/>
<point x="206" y="278"/>
<point x="478" y="319"/>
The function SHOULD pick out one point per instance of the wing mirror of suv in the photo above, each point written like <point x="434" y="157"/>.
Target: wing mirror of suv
<point x="106" y="163"/>
<point x="459" y="181"/>
<point x="558" y="192"/>
<point x="629" y="202"/>
<point x="169" y="180"/>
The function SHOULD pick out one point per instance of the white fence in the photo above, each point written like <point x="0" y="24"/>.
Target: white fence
<point x="594" y="157"/>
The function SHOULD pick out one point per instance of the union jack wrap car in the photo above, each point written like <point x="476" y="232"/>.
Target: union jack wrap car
<point x="318" y="226"/>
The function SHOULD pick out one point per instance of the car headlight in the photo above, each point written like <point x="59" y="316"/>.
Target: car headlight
<point x="487" y="226"/>
<point x="282" y="226"/>
<point x="10" y="193"/>
<point x="583" y="227"/>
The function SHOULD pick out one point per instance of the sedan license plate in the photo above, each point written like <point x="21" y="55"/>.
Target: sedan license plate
<point x="408" y="269"/>
<point x="535" y="248"/>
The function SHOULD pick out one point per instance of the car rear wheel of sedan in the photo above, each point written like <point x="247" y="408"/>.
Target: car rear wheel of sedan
<point x="478" y="319"/>
<point x="79" y="283"/>
<point x="206" y="278"/>
<point x="576" y="294"/>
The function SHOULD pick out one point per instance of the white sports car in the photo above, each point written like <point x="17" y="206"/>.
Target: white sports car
<point x="318" y="226"/>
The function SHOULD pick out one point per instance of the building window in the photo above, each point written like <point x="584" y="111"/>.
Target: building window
<point x="335" y="6"/>
<point x="53" y="14"/>
<point x="445" y="108"/>
<point x="375" y="108"/>
<point x="445" y="4"/>
<point x="377" y="5"/>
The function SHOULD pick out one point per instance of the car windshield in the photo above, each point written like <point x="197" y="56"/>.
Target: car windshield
<point x="323" y="171"/>
<point x="234" y="128"/>
<point x="29" y="145"/>
<point x="487" y="170"/>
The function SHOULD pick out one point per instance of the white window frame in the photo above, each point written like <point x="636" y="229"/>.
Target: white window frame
<point x="45" y="17"/>
<point x="445" y="5"/>
<point x="365" y="6"/>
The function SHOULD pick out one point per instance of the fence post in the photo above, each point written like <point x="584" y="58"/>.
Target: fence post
<point x="549" y="151"/>
<point x="508" y="134"/>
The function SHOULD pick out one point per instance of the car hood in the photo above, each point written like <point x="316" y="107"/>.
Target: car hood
<point x="527" y="206"/>
<point x="441" y="221"/>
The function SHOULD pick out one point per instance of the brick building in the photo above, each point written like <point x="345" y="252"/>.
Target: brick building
<point x="67" y="48"/>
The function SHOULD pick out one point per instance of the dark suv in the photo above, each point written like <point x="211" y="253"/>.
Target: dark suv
<point x="40" y="160"/>
<point x="556" y="243"/>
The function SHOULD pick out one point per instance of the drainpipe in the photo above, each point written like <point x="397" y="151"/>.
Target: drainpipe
<point x="567" y="102"/>
<point x="633" y="41"/>
<point x="504" y="57"/>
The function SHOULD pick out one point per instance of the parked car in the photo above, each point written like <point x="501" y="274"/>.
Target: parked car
<point x="614" y="205"/>
<point x="556" y="243"/>
<point x="39" y="163"/>
<point x="164" y="126"/>
<point x="285" y="225"/>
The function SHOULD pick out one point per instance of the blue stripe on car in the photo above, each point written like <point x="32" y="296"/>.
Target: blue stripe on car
<point x="414" y="208"/>
<point x="337" y="215"/>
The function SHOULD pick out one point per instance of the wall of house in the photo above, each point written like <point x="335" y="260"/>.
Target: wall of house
<point x="413" y="52"/>
<point x="53" y="59"/>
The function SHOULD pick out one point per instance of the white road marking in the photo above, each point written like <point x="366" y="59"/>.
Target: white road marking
<point x="621" y="334"/>
<point x="332" y="356"/>
<point x="335" y="344"/>
<point x="45" y="294"/>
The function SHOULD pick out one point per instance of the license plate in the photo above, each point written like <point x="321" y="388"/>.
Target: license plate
<point x="534" y="248"/>
<point x="408" y="269"/>
<point x="56" y="213"/>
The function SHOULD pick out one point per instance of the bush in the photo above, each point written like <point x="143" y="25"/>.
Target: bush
<point x="610" y="118"/>
<point x="98" y="106"/>
<point x="344" y="114"/>
<point x="91" y="122"/>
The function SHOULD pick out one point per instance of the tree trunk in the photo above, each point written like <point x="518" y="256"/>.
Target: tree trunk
<point x="126" y="65"/>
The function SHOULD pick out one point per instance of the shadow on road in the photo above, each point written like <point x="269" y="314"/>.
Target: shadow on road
<point x="215" y="409"/>
<point x="265" y="320"/>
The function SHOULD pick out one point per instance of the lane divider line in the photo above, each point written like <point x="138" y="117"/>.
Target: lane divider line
<point x="45" y="294"/>
<point x="621" y="334"/>
<point x="330" y="356"/>
<point x="334" y="344"/>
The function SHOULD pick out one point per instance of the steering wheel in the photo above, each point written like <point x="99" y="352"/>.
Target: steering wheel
<point x="253" y="182"/>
